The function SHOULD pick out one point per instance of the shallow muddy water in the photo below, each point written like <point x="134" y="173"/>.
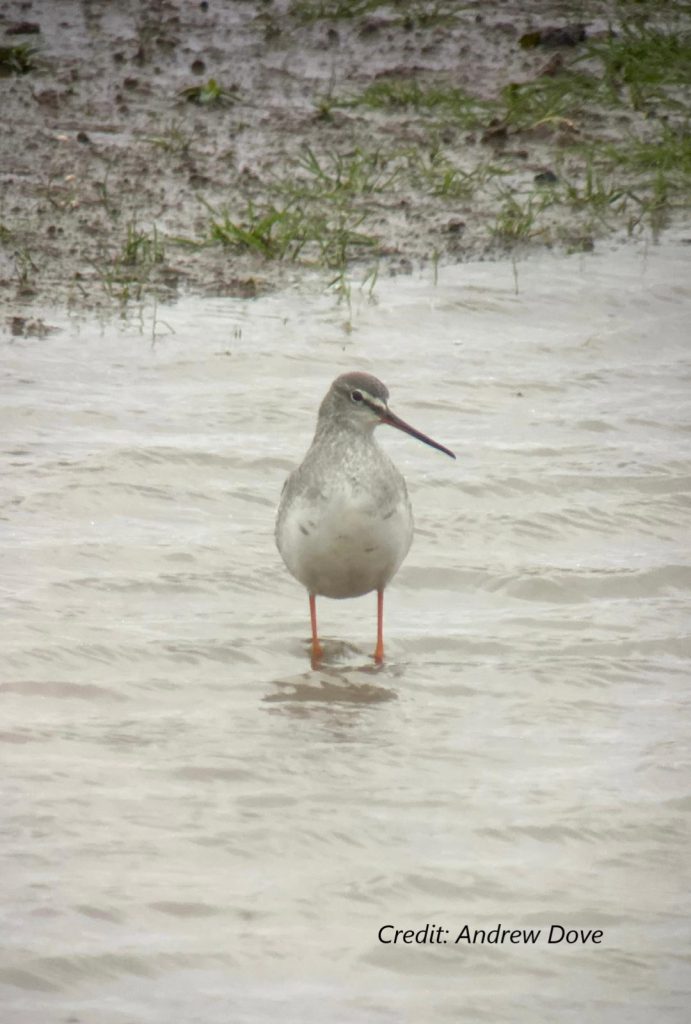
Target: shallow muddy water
<point x="196" y="825"/>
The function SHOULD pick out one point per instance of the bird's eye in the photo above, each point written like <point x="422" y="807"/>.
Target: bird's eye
<point x="356" y="396"/>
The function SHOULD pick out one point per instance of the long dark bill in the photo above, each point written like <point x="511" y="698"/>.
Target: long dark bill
<point x="395" y="421"/>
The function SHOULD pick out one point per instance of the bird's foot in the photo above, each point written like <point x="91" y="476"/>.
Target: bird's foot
<point x="316" y="653"/>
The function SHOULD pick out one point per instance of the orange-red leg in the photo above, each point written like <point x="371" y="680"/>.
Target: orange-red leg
<point x="379" y="649"/>
<point x="317" y="649"/>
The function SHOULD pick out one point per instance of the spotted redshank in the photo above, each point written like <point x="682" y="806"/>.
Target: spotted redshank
<point x="344" y="523"/>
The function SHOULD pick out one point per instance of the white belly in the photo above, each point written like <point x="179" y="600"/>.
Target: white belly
<point x="344" y="546"/>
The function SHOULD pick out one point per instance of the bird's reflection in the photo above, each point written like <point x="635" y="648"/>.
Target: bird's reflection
<point x="340" y="678"/>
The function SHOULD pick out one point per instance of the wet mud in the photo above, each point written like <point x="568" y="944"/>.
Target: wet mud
<point x="227" y="149"/>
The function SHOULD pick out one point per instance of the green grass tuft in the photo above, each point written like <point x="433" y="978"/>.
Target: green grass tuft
<point x="547" y="100"/>
<point x="407" y="93"/>
<point x="128" y="273"/>
<point x="641" y="65"/>
<point x="669" y="155"/>
<point x="517" y="219"/>
<point x="17" y="59"/>
<point x="270" y="232"/>
<point x="342" y="177"/>
<point x="209" y="94"/>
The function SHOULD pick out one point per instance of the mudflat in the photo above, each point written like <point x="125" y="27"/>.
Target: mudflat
<point x="227" y="149"/>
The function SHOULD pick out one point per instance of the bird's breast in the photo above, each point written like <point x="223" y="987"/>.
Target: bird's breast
<point x="345" y="540"/>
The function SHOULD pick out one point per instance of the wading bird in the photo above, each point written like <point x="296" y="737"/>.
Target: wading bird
<point x="345" y="523"/>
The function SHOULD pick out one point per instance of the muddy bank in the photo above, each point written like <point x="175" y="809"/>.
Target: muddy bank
<point x="227" y="149"/>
